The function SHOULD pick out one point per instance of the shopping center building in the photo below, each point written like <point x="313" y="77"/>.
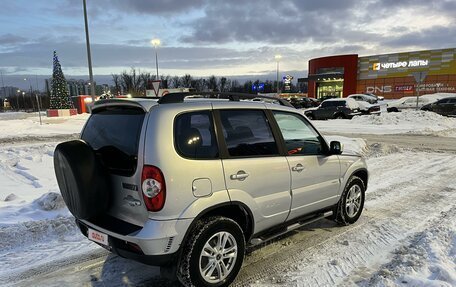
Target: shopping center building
<point x="389" y="75"/>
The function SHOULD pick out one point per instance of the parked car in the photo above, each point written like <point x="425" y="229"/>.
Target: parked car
<point x="410" y="102"/>
<point x="363" y="97"/>
<point x="186" y="184"/>
<point x="379" y="98"/>
<point x="406" y="103"/>
<point x="334" y="109"/>
<point x="303" y="102"/>
<point x="444" y="107"/>
<point x="369" y="109"/>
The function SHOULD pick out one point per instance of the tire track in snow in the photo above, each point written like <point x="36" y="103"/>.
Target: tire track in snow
<point x="388" y="219"/>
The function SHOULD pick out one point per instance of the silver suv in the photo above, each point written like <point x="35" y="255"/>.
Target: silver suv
<point x="190" y="184"/>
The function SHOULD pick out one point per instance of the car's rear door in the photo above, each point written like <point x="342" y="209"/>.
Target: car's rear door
<point x="114" y="132"/>
<point x="325" y="111"/>
<point x="314" y="174"/>
<point x="255" y="173"/>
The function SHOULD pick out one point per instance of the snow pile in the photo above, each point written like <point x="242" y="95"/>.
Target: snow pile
<point x="350" y="145"/>
<point x="417" y="118"/>
<point x="50" y="201"/>
<point x="29" y="189"/>
<point x="415" y="122"/>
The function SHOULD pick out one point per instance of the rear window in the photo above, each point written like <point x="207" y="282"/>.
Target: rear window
<point x="114" y="133"/>
<point x="326" y="104"/>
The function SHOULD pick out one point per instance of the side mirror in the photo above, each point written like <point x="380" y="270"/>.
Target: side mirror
<point x="335" y="147"/>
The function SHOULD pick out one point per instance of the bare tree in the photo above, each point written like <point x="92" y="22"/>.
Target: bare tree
<point x="187" y="81"/>
<point x="165" y="81"/>
<point x="212" y="83"/>
<point x="146" y="78"/>
<point x="222" y="84"/>
<point x="131" y="82"/>
<point x="175" y="82"/>
<point x="117" y="84"/>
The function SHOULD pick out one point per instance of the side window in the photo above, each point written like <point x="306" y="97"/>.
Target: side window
<point x="194" y="135"/>
<point x="326" y="104"/>
<point x="247" y="133"/>
<point x="300" y="137"/>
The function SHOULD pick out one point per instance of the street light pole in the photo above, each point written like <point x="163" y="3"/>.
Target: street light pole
<point x="31" y="93"/>
<point x="89" y="58"/>
<point x="17" y="98"/>
<point x="156" y="43"/>
<point x="277" y="58"/>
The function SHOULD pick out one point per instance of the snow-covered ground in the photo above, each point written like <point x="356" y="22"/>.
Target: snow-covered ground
<point x="406" y="236"/>
<point x="18" y="125"/>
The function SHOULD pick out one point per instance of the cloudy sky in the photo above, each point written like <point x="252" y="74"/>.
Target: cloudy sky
<point x="213" y="37"/>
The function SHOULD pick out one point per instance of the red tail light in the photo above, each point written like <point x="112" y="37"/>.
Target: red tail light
<point x="153" y="188"/>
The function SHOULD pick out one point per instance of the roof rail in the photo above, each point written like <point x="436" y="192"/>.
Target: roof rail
<point x="232" y="96"/>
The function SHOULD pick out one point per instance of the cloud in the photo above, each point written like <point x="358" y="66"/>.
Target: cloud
<point x="157" y="7"/>
<point x="10" y="39"/>
<point x="434" y="37"/>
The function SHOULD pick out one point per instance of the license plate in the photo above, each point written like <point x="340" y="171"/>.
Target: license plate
<point x="98" y="237"/>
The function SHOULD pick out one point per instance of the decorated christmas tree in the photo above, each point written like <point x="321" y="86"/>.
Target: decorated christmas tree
<point x="60" y="98"/>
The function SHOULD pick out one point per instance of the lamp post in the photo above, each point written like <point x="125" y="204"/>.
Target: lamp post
<point x="17" y="98"/>
<point x="89" y="57"/>
<point x="277" y="58"/>
<point x="156" y="43"/>
<point x="23" y="99"/>
<point x="31" y="96"/>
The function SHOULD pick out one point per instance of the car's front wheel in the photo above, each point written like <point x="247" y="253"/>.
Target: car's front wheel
<point x="351" y="202"/>
<point x="214" y="253"/>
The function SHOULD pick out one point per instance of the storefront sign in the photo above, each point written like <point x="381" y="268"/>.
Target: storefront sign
<point x="404" y="88"/>
<point x="400" y="64"/>
<point x="381" y="89"/>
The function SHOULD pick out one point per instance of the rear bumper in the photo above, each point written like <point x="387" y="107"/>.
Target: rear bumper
<point x="157" y="243"/>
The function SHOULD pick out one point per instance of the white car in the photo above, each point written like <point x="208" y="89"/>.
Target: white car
<point x="363" y="97"/>
<point x="380" y="98"/>
<point x="369" y="109"/>
<point x="407" y="103"/>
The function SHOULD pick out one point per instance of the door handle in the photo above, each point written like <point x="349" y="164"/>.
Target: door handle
<point x="298" y="168"/>
<point x="240" y="175"/>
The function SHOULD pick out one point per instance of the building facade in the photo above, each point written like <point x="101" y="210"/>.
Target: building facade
<point x="390" y="75"/>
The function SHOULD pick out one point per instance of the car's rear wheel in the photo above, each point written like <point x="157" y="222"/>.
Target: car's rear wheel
<point x="351" y="203"/>
<point x="392" y="110"/>
<point x="339" y="116"/>
<point x="214" y="253"/>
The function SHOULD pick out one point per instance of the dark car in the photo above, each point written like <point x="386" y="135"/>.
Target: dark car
<point x="444" y="107"/>
<point x="334" y="109"/>
<point x="304" y="102"/>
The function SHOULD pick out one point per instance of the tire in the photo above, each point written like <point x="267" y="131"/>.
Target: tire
<point x="339" y="116"/>
<point x="82" y="180"/>
<point x="192" y="263"/>
<point x="355" y="193"/>
<point x="392" y="110"/>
